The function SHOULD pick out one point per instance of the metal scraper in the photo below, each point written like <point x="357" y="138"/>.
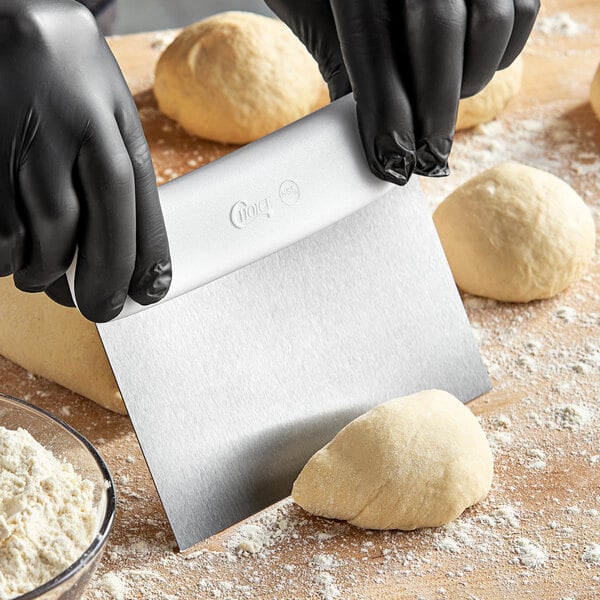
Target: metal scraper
<point x="305" y="291"/>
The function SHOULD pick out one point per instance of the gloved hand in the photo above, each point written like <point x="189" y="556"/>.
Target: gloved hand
<point x="75" y="169"/>
<point x="408" y="62"/>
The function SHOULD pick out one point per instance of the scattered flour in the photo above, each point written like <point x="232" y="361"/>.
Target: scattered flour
<point x="497" y="439"/>
<point x="560" y="24"/>
<point x="448" y="544"/>
<point x="113" y="585"/>
<point x="325" y="562"/>
<point x="507" y="515"/>
<point x="47" y="516"/>
<point x="328" y="589"/>
<point x="65" y="411"/>
<point x="256" y="537"/>
<point x="537" y="458"/>
<point x="502" y="422"/>
<point x="528" y="553"/>
<point x="252" y="539"/>
<point x="592" y="554"/>
<point x="571" y="416"/>
<point x="566" y="313"/>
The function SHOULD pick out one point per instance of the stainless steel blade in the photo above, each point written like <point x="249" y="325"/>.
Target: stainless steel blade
<point x="232" y="386"/>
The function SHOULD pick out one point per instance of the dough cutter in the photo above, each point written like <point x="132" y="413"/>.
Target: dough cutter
<point x="305" y="291"/>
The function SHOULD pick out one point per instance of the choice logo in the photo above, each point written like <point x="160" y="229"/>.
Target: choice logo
<point x="242" y="213"/>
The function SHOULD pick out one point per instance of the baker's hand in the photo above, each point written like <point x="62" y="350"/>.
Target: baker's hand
<point x="408" y="62"/>
<point x="75" y="170"/>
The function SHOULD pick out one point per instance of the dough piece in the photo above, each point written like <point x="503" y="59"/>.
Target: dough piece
<point x="416" y="461"/>
<point x="56" y="343"/>
<point x="595" y="93"/>
<point x="492" y="99"/>
<point x="236" y="77"/>
<point x="515" y="234"/>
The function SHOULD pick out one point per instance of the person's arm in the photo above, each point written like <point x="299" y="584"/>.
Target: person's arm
<point x="75" y="169"/>
<point x="408" y="62"/>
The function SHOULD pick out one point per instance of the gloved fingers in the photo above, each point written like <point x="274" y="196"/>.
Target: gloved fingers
<point x="526" y="12"/>
<point x="372" y="51"/>
<point x="106" y="237"/>
<point x="314" y="25"/>
<point x="435" y="35"/>
<point x="152" y="273"/>
<point x="489" y="27"/>
<point x="12" y="229"/>
<point x="59" y="292"/>
<point x="339" y="83"/>
<point x="51" y="209"/>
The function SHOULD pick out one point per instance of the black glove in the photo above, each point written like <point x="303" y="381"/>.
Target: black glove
<point x="408" y="62"/>
<point x="75" y="169"/>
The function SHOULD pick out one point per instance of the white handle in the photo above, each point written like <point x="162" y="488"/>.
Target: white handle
<point x="264" y="197"/>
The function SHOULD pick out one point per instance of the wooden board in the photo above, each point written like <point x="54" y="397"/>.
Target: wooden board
<point x="530" y="536"/>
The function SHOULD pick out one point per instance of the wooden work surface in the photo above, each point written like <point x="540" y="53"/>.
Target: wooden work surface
<point x="534" y="534"/>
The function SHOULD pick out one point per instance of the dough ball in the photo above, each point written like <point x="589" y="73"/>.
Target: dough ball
<point x="515" y="233"/>
<point x="416" y="461"/>
<point x="492" y="99"/>
<point x="595" y="93"/>
<point x="236" y="77"/>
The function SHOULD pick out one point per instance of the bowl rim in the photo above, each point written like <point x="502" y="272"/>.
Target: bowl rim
<point x="109" y="514"/>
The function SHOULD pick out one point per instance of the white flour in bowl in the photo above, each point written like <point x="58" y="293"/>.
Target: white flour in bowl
<point x="47" y="515"/>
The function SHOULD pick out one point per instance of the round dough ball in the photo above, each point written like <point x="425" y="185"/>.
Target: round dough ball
<point x="595" y="93"/>
<point x="235" y="77"/>
<point x="492" y="99"/>
<point x="416" y="461"/>
<point x="515" y="233"/>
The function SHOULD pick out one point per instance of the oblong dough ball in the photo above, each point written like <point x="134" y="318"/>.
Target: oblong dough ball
<point x="515" y="233"/>
<point x="492" y="99"/>
<point x="235" y="77"/>
<point x="416" y="461"/>
<point x="595" y="93"/>
<point x="57" y="343"/>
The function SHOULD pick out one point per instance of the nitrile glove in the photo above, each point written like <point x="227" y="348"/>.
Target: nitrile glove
<point x="75" y="170"/>
<point x="408" y="62"/>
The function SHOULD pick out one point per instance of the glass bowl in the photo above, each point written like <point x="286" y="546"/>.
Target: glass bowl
<point x="66" y="444"/>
